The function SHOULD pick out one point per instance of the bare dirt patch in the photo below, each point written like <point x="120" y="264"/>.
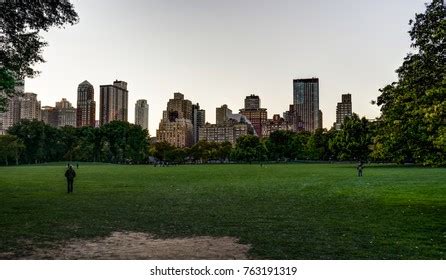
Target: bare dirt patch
<point x="137" y="245"/>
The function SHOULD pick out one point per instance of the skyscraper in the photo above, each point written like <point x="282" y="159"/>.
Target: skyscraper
<point x="222" y="114"/>
<point x="29" y="106"/>
<point x="252" y="102"/>
<point x="66" y="113"/>
<point x="142" y="113"/>
<point x="320" y="120"/>
<point x="178" y="107"/>
<point x="198" y="119"/>
<point x="176" y="126"/>
<point x="12" y="114"/>
<point x="86" y="106"/>
<point x="343" y="109"/>
<point x="292" y="117"/>
<point x="254" y="113"/>
<point x="275" y="124"/>
<point x="113" y="102"/>
<point x="306" y="102"/>
<point x="50" y="116"/>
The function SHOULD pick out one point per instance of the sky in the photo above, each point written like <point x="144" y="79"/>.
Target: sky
<point x="218" y="52"/>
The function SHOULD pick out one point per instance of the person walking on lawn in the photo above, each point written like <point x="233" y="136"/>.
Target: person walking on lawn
<point x="70" y="174"/>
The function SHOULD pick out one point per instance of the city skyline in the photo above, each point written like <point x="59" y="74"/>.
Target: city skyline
<point x="348" y="53"/>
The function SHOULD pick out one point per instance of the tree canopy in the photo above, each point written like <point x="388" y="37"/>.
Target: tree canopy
<point x="413" y="121"/>
<point x="21" y="44"/>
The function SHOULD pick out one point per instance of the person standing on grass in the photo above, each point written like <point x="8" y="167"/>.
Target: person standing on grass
<point x="70" y="174"/>
<point x="360" y="167"/>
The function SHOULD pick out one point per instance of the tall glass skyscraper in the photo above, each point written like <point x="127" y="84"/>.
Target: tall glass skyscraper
<point x="306" y="103"/>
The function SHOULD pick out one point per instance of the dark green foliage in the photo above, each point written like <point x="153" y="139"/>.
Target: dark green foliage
<point x="317" y="147"/>
<point x="20" y="23"/>
<point x="413" y="122"/>
<point x="353" y="141"/>
<point x="204" y="151"/>
<point x="249" y="148"/>
<point x="10" y="148"/>
<point x="124" y="142"/>
<point x="117" y="142"/>
<point x="292" y="211"/>
<point x="280" y="145"/>
<point x="42" y="142"/>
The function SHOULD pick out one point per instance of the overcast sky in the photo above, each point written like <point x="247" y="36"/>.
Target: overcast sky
<point x="218" y="52"/>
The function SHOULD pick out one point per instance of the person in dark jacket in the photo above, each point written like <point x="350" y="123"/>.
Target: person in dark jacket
<point x="70" y="174"/>
<point x="360" y="167"/>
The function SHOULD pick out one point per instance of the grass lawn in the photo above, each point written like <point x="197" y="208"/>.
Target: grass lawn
<point x="294" y="211"/>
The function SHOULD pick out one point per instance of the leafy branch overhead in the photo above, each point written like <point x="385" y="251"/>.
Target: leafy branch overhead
<point x="21" y="44"/>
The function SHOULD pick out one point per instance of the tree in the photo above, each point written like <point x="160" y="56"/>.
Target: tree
<point x="124" y="142"/>
<point x="279" y="144"/>
<point x="89" y="144"/>
<point x="224" y="151"/>
<point x="413" y="120"/>
<point x="10" y="147"/>
<point x="137" y="143"/>
<point x="316" y="147"/>
<point x="249" y="148"/>
<point x="299" y="143"/>
<point x="21" y="44"/>
<point x="354" y="139"/>
<point x="32" y="134"/>
<point x="70" y="142"/>
<point x="42" y="142"/>
<point x="200" y="151"/>
<point x="162" y="150"/>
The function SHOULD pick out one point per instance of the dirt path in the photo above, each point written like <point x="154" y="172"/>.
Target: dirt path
<point x="137" y="245"/>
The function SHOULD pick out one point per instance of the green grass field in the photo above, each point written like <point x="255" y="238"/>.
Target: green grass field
<point x="294" y="211"/>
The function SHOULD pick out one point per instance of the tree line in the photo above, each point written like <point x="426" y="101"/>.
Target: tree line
<point x="122" y="142"/>
<point x="354" y="142"/>
<point x="36" y="142"/>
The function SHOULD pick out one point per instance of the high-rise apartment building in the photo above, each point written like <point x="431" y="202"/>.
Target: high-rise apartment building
<point x="228" y="129"/>
<point x="198" y="119"/>
<point x="252" y="102"/>
<point x="225" y="132"/>
<point x="66" y="113"/>
<point x="176" y="126"/>
<point x="86" y="106"/>
<point x="29" y="106"/>
<point x="12" y="114"/>
<point x="275" y="124"/>
<point x="50" y="116"/>
<point x="254" y="113"/>
<point x="63" y="104"/>
<point x="178" y="133"/>
<point x="113" y="102"/>
<point x="343" y="109"/>
<point x="222" y="114"/>
<point x="142" y="113"/>
<point x="179" y="108"/>
<point x="306" y="103"/>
